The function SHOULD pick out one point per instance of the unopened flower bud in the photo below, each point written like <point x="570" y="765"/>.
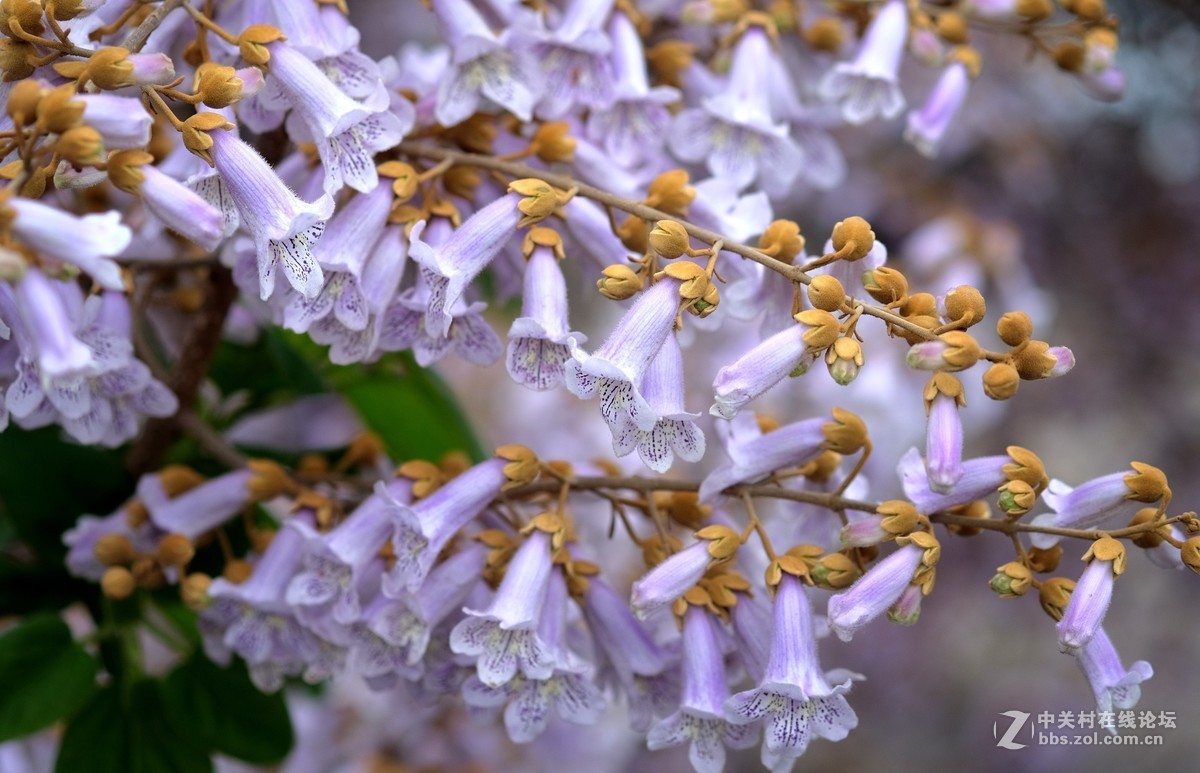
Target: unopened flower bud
<point x="23" y="101"/>
<point x="826" y="293"/>
<point x="1026" y="466"/>
<point x="1000" y="381"/>
<point x="268" y="481"/>
<point x="886" y="285"/>
<point x="1012" y="580"/>
<point x="669" y="239"/>
<point x="523" y="466"/>
<point x="81" y="146"/>
<point x="952" y="351"/>
<point x="898" y="516"/>
<point x="1190" y="554"/>
<point x="1054" y="596"/>
<point x="834" y="572"/>
<point x="695" y="282"/>
<point x="671" y="193"/>
<point x="919" y="305"/>
<point x="541" y="199"/>
<point x="1045" y="559"/>
<point x="825" y="34"/>
<point x="114" y="549"/>
<point x="195" y="133"/>
<point x="1033" y="362"/>
<point x="1147" y="483"/>
<point x="117" y="583"/>
<point x="844" y="359"/>
<point x="952" y="27"/>
<point x="823" y="329"/>
<point x="1015" y="328"/>
<point x="1069" y="56"/>
<point x="1148" y="539"/>
<point x="237" y="571"/>
<point x="853" y="238"/>
<point x="782" y="240"/>
<point x="1091" y="10"/>
<point x="1016" y="498"/>
<point x="707" y="304"/>
<point x="618" y="282"/>
<point x="846" y="434"/>
<point x="252" y="43"/>
<point x="124" y="169"/>
<point x="404" y="179"/>
<point x="965" y="304"/>
<point x="178" y="479"/>
<point x="1034" y="10"/>
<point x="174" y="550"/>
<point x="194" y="590"/>
<point x="669" y="59"/>
<point x="14" y="59"/>
<point x="218" y="85"/>
<point x="553" y="143"/>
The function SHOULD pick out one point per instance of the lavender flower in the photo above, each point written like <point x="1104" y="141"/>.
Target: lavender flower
<point x="613" y="371"/>
<point x="734" y="131"/>
<point x="87" y="242"/>
<point x="882" y="585"/>
<point x="927" y="126"/>
<point x="503" y="638"/>
<point x="671" y="579"/>
<point x="943" y="433"/>
<point x="540" y="340"/>
<point x="868" y="86"/>
<point x="674" y="431"/>
<point x="789" y="446"/>
<point x="980" y="477"/>
<point x="1113" y="685"/>
<point x="1092" y="595"/>
<point x="283" y="227"/>
<point x="421" y="531"/>
<point x="770" y="361"/>
<point x="700" y="719"/>
<point x="574" y="60"/>
<point x="793" y="697"/>
<point x="1110" y="497"/>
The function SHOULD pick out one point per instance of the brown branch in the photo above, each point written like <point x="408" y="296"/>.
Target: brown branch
<point x="136" y="40"/>
<point x="197" y="353"/>
<point x="513" y="169"/>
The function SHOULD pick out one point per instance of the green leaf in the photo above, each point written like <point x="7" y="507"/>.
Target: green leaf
<point x="228" y="713"/>
<point x="415" y="414"/>
<point x="47" y="483"/>
<point x="277" y="364"/>
<point x="44" y="674"/>
<point x="130" y="733"/>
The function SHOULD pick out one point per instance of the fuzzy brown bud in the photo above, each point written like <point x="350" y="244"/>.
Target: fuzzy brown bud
<point x="951" y="27"/>
<point x="965" y="304"/>
<point x="846" y="434"/>
<point x="1054" y="595"/>
<point x="14" y="59"/>
<point x="1190" y="554"/>
<point x="195" y="133"/>
<point x="1045" y="559"/>
<point x="252" y="44"/>
<point x="669" y="239"/>
<point x="826" y="293"/>
<point x="1016" y="498"/>
<point x="117" y="583"/>
<point x="1012" y="580"/>
<point x="886" y="285"/>
<point x="1015" y="328"/>
<point x="1152" y="538"/>
<point x="825" y="34"/>
<point x="782" y="240"/>
<point x="218" y="85"/>
<point x="853" y="238"/>
<point x="113" y="549"/>
<point x="194" y="590"/>
<point x="553" y="143"/>
<point x="1000" y="381"/>
<point x="618" y="282"/>
<point x="671" y="193"/>
<point x="174" y="550"/>
<point x="23" y="101"/>
<point x="1035" y="10"/>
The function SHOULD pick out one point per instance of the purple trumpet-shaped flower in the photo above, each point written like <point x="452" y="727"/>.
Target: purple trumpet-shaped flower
<point x="420" y="531"/>
<point x="980" y="477"/>
<point x="771" y="361"/>
<point x="449" y="265"/>
<point x="1098" y="501"/>
<point x="470" y="336"/>
<point x="180" y="209"/>
<point x="734" y="132"/>
<point x="1113" y="685"/>
<point x="253" y="620"/>
<point x="122" y="121"/>
<point x="614" y="370"/>
<point x="342" y="251"/>
<point x="347" y="133"/>
<point x="873" y="593"/>
<point x="574" y="60"/>
<point x="335" y="561"/>
<point x="868" y="86"/>
<point x="629" y="654"/>
<point x="88" y="242"/>
<point x="394" y="635"/>
<point x="793" y="698"/>
<point x="674" y="431"/>
<point x="1092" y="595"/>
<point x="927" y="126"/>
<point x="671" y="579"/>
<point x="943" y="443"/>
<point x="283" y="227"/>
<point x="569" y="691"/>
<point x="504" y="638"/>
<point x="482" y="65"/>
<point x="700" y="719"/>
<point x="791" y="445"/>
<point x="633" y="128"/>
<point x="540" y="341"/>
<point x="204" y="507"/>
<point x="751" y="623"/>
<point x="378" y="280"/>
<point x="44" y="317"/>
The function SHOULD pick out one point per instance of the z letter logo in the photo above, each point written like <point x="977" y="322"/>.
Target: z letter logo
<point x="1018" y="722"/>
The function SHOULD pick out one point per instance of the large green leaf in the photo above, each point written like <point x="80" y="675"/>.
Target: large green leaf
<point x="227" y="712"/>
<point x="44" y="676"/>
<point x="130" y="732"/>
<point x="415" y="414"/>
